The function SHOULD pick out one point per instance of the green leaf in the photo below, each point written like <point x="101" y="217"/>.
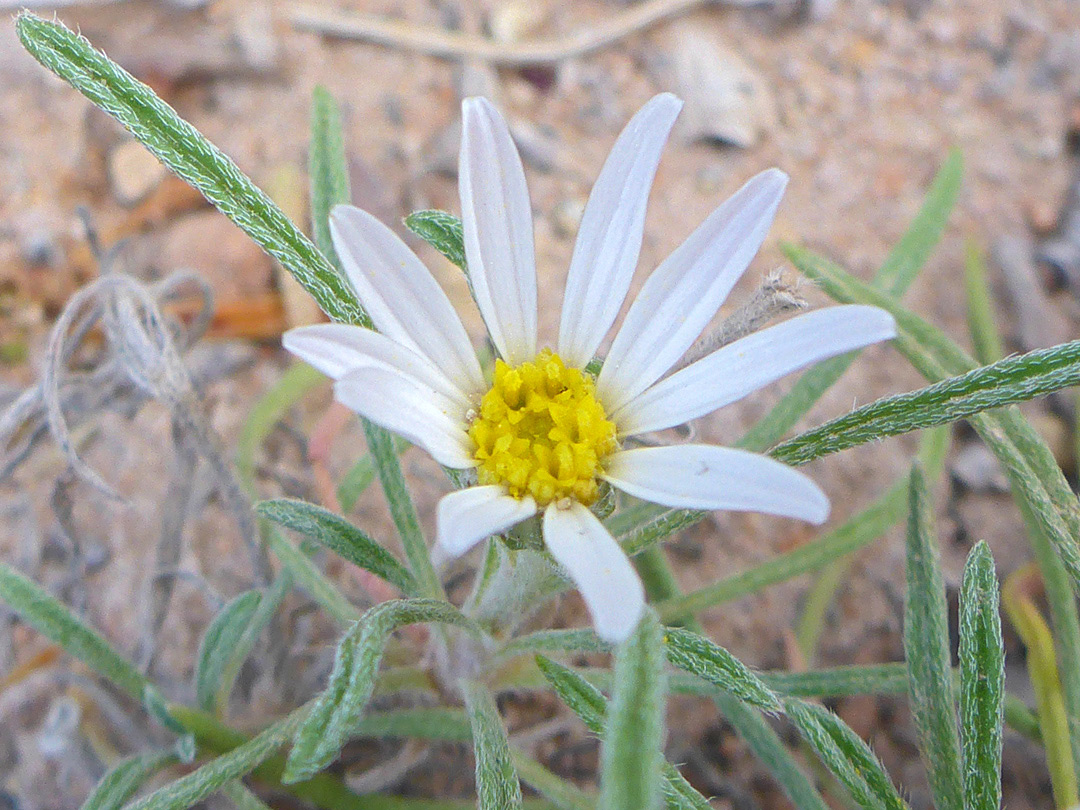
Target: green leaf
<point x="339" y="535"/>
<point x="556" y="790"/>
<point x="158" y="709"/>
<point x="848" y="758"/>
<point x="580" y="640"/>
<point x="1015" y="379"/>
<point x="123" y="779"/>
<point x="587" y="702"/>
<point x="982" y="681"/>
<point x="770" y="749"/>
<point x="424" y="724"/>
<point x="631" y="755"/>
<point x="926" y="649"/>
<point x="651" y="524"/>
<point x="217" y="645"/>
<point x="909" y="254"/>
<point x="497" y="786"/>
<point x="1038" y="484"/>
<point x="311" y="579"/>
<point x="867" y="679"/>
<point x="981" y="321"/>
<point x="52" y="619"/>
<point x="184" y="150"/>
<point x="442" y="231"/>
<point x="381" y="446"/>
<point x="269" y="603"/>
<point x="242" y="798"/>
<point x="584" y="699"/>
<point x="1018" y="598"/>
<point x="214" y="775"/>
<point x="1028" y="462"/>
<point x="340" y="707"/>
<point x="328" y="168"/>
<point x="711" y="662"/>
<point x="894" y="277"/>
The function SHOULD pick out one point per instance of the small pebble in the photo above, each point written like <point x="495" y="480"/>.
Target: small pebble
<point x="133" y="172"/>
<point x="566" y="217"/>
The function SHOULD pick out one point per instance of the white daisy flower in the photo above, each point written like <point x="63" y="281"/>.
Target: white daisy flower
<point x="543" y="434"/>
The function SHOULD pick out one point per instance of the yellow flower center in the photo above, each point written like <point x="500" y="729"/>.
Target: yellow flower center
<point x="542" y="432"/>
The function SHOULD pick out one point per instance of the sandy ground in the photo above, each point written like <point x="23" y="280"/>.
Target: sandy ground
<point x="859" y="106"/>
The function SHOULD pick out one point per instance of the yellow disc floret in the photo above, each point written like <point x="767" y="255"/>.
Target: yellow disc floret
<point x="542" y="432"/>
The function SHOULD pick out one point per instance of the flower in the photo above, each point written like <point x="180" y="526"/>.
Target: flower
<point x="544" y="432"/>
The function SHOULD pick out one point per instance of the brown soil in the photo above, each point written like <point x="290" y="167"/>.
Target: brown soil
<point x="859" y="108"/>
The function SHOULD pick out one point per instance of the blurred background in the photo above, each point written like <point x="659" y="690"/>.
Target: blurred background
<point x="859" y="101"/>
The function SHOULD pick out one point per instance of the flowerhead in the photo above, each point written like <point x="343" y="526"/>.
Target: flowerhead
<point x="542" y="433"/>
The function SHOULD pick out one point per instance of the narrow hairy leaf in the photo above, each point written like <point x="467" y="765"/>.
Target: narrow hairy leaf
<point x="214" y="775"/>
<point x="442" y="231"/>
<point x="926" y="649"/>
<point x="701" y="657"/>
<point x="327" y="167"/>
<point x="631" y="755"/>
<point x="340" y="707"/>
<point x="497" y="786"/>
<point x="1044" y="673"/>
<point x="184" y="150"/>
<point x="1038" y="484"/>
<point x="558" y="791"/>
<point x="649" y="525"/>
<point x="423" y="724"/>
<point x="1028" y="462"/>
<point x="122" y="780"/>
<point x="584" y="699"/>
<point x="218" y="642"/>
<point x="770" y="749"/>
<point x="981" y="321"/>
<point x="867" y="679"/>
<point x="1006" y="382"/>
<point x="311" y="579"/>
<point x="848" y="758"/>
<point x="982" y="681"/>
<point x="269" y="603"/>
<point x="577" y="640"/>
<point x="51" y="618"/>
<point x="893" y="278"/>
<point x="402" y="510"/>
<point x="589" y="704"/>
<point x="340" y="536"/>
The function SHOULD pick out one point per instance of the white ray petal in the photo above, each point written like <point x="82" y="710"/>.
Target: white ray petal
<point x="598" y="567"/>
<point x="404" y="405"/>
<point x="609" y="239"/>
<point x="403" y="299"/>
<point x="467" y="516"/>
<point x="335" y="349"/>
<point x="702" y="476"/>
<point x="734" y="371"/>
<point x="497" y="219"/>
<point x="685" y="291"/>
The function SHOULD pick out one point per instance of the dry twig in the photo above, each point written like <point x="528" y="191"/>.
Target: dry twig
<point x="454" y="45"/>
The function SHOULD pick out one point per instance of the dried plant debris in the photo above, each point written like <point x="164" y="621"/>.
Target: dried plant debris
<point x="113" y="349"/>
